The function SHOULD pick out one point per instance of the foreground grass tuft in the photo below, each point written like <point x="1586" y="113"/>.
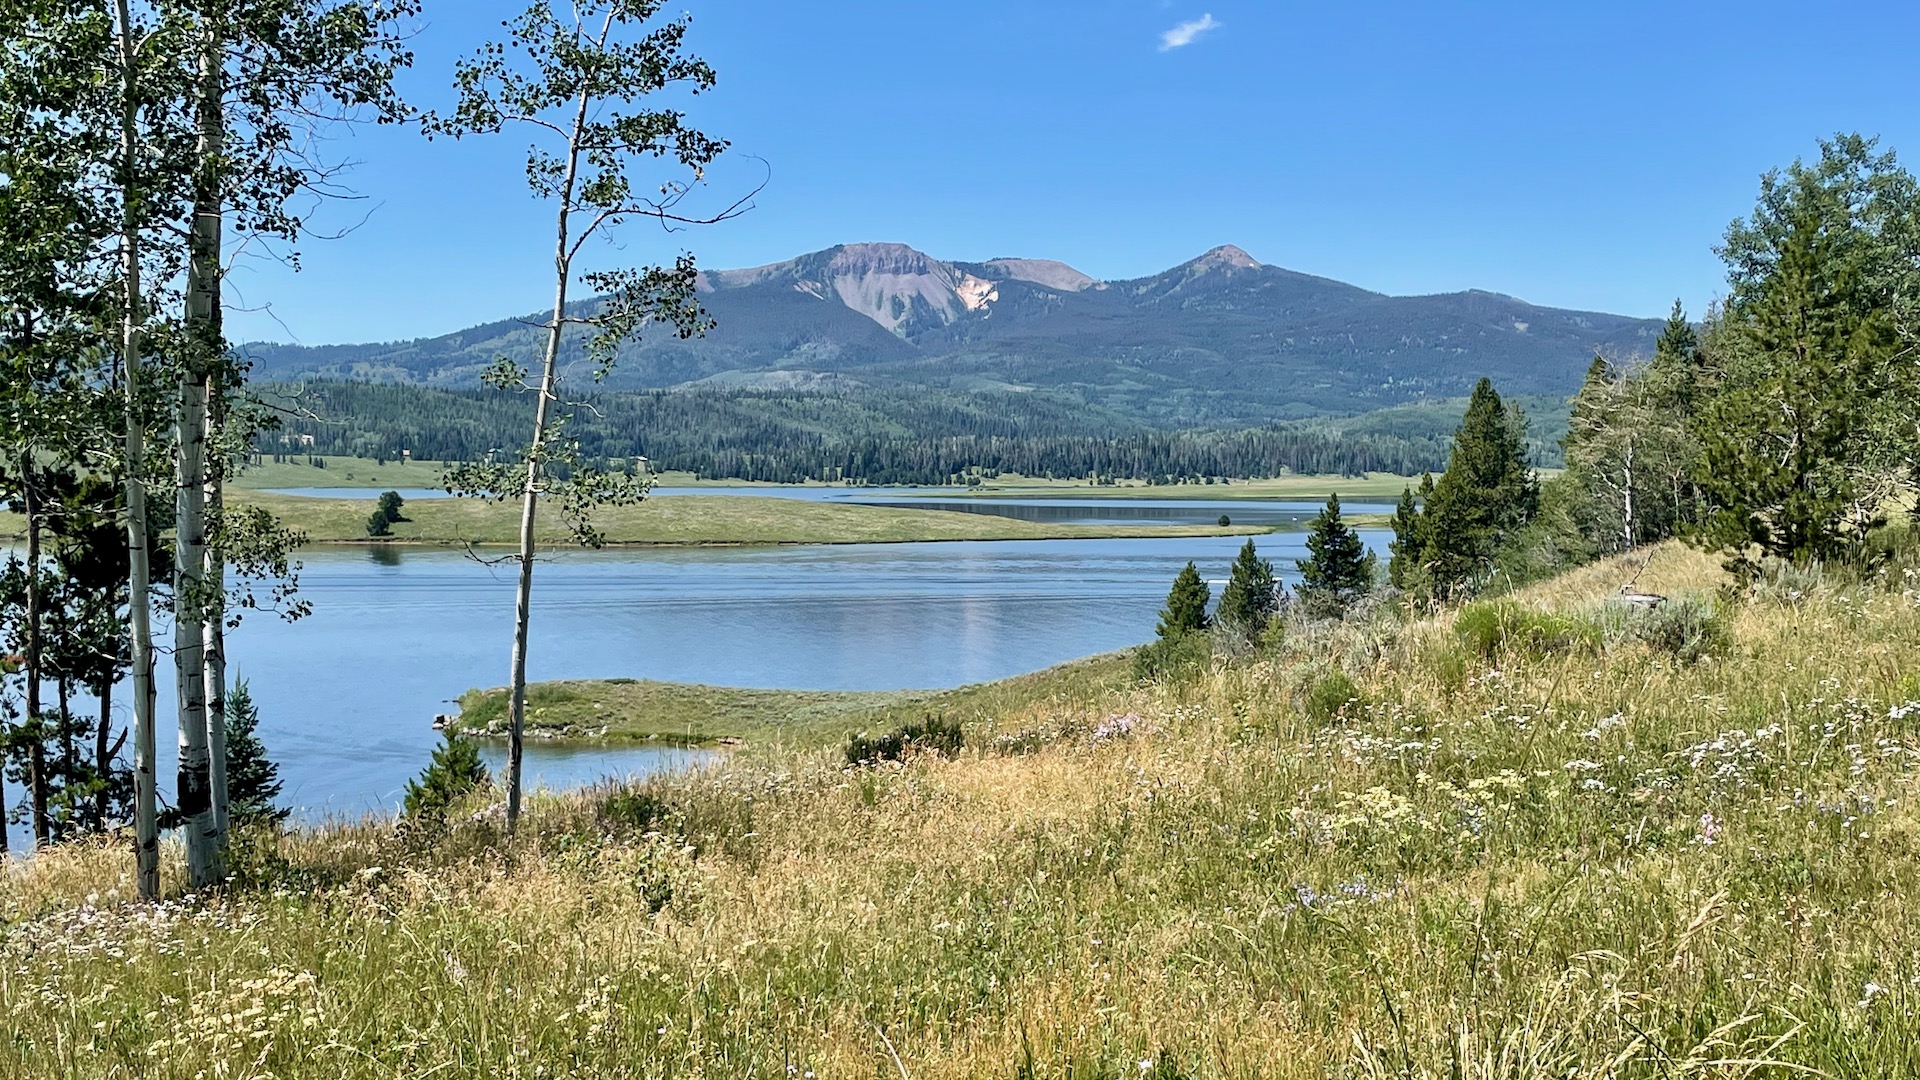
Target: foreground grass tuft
<point x="1602" y="861"/>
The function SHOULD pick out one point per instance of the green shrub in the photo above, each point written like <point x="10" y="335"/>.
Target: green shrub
<point x="633" y="812"/>
<point x="933" y="734"/>
<point x="1685" y="628"/>
<point x="1495" y="626"/>
<point x="1173" y="656"/>
<point x="1331" y="695"/>
<point x="1785" y="582"/>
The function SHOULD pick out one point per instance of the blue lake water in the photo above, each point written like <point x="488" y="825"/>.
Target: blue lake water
<point x="347" y="695"/>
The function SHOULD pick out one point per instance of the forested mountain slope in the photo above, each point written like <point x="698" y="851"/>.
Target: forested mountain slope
<point x="1219" y="340"/>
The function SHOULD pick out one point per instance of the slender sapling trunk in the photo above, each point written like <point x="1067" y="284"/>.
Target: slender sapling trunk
<point x="146" y="831"/>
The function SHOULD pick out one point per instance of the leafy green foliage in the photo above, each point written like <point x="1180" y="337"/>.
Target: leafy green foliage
<point x="454" y="772"/>
<point x="873" y="435"/>
<point x="1331" y="696"/>
<point x="1186" y="609"/>
<point x="1806" y="423"/>
<point x="1172" y="657"/>
<point x="379" y="524"/>
<point x="390" y="506"/>
<point x="634" y="813"/>
<point x="929" y="735"/>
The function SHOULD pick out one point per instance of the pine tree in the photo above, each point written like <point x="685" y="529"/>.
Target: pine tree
<point x="1338" y="568"/>
<point x="1488" y="492"/>
<point x="253" y="780"/>
<point x="1186" y="609"/>
<point x="1252" y="596"/>
<point x="1409" y="543"/>
<point x="454" y="771"/>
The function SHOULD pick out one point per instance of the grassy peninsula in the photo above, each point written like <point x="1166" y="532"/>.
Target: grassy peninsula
<point x="1566" y="854"/>
<point x="691" y="520"/>
<point x="638" y="710"/>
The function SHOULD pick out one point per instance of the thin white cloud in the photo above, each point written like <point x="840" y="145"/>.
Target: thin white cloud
<point x="1187" y="32"/>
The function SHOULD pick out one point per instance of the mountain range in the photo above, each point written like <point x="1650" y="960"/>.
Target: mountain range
<point x="1220" y="339"/>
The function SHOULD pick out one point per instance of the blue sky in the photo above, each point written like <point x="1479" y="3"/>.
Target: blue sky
<point x="1575" y="154"/>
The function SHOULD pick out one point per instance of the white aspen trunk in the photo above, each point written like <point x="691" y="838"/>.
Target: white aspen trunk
<point x="146" y="831"/>
<point x="1626" y="499"/>
<point x="530" y="497"/>
<point x="216" y="629"/>
<point x="37" y="750"/>
<point x="194" y="795"/>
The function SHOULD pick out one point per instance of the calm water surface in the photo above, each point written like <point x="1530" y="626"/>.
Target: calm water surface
<point x="347" y="695"/>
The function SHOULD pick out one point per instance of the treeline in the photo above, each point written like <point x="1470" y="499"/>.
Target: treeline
<point x="1784" y="430"/>
<point x="867" y="436"/>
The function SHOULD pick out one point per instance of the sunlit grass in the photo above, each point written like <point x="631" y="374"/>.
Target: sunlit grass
<point x="1595" y="861"/>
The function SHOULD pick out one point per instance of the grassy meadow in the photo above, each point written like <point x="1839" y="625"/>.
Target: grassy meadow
<point x="1397" y="847"/>
<point x="690" y="520"/>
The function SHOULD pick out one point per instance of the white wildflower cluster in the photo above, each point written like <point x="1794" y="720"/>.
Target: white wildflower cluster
<point x="1346" y="894"/>
<point x="1604" y="725"/>
<point x="1734" y="760"/>
<point x="1117" y="726"/>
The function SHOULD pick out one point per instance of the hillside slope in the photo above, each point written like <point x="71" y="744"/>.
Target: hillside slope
<point x="1571" y="860"/>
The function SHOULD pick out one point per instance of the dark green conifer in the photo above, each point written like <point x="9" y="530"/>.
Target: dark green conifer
<point x="1409" y="543"/>
<point x="1252" y="596"/>
<point x="253" y="780"/>
<point x="456" y="770"/>
<point x="1487" y="494"/>
<point x="390" y="504"/>
<point x="1338" y="568"/>
<point x="1186" y="609"/>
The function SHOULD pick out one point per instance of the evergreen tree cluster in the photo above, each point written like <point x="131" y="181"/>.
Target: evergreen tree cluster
<point x="1448" y="542"/>
<point x="1783" y="427"/>
<point x="873" y="437"/>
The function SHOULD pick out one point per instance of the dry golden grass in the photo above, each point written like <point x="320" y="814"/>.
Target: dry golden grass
<point x="1590" y="861"/>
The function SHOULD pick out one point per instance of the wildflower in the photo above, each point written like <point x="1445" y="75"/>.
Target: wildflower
<point x="1709" y="830"/>
<point x="1869" y="992"/>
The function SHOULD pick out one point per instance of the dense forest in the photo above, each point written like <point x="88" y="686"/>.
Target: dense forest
<point x="867" y="436"/>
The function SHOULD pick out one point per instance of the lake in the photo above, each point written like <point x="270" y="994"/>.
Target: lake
<point x="347" y="695"/>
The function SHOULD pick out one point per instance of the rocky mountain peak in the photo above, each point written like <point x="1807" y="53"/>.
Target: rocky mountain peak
<point x="1227" y="257"/>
